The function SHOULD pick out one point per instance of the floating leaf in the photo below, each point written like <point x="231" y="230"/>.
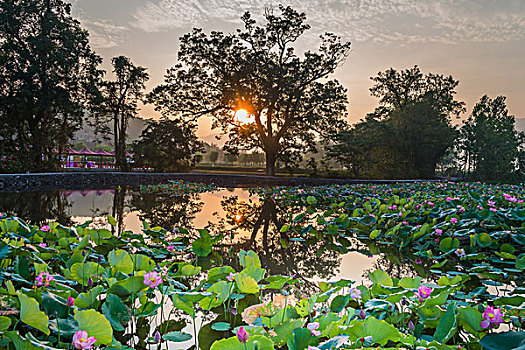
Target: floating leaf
<point x="31" y="315"/>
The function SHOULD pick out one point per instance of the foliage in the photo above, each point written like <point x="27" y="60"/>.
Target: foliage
<point x="214" y="155"/>
<point x="167" y="146"/>
<point x="120" y="102"/>
<point x="398" y="89"/>
<point x="408" y="133"/>
<point x="175" y="188"/>
<point x="49" y="78"/>
<point x="357" y="148"/>
<point x="442" y="308"/>
<point x="490" y="146"/>
<point x="256" y="70"/>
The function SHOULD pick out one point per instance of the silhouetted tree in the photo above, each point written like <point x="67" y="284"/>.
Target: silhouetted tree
<point x="167" y="146"/>
<point x="121" y="97"/>
<point x="397" y="90"/>
<point x="421" y="135"/>
<point x="257" y="70"/>
<point x="490" y="146"/>
<point x="355" y="147"/>
<point x="48" y="74"/>
<point x="410" y="130"/>
<point x="214" y="155"/>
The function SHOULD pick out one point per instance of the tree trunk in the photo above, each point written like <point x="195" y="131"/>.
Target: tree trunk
<point x="271" y="158"/>
<point x="116" y="144"/>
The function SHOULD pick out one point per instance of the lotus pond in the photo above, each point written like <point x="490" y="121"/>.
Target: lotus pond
<point x="402" y="266"/>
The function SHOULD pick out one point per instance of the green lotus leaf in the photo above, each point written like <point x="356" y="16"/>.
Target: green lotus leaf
<point x="96" y="325"/>
<point x="31" y="315"/>
<point x="121" y="261"/>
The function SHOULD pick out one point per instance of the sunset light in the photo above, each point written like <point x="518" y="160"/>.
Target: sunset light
<point x="242" y="117"/>
<point x="281" y="173"/>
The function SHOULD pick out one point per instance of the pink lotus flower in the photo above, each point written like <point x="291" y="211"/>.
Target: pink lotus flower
<point x="42" y="245"/>
<point x="439" y="231"/>
<point x="152" y="279"/>
<point x="45" y="228"/>
<point x="242" y="335"/>
<point x="423" y="293"/>
<point x="81" y="340"/>
<point x="453" y="220"/>
<point x="312" y="327"/>
<point x="70" y="301"/>
<point x="43" y="279"/>
<point x="355" y="293"/>
<point x="461" y="253"/>
<point x="230" y="277"/>
<point x="171" y="248"/>
<point x="491" y="317"/>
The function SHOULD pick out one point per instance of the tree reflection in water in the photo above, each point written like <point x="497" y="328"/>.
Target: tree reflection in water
<point x="165" y="210"/>
<point x="37" y="207"/>
<point x="257" y="226"/>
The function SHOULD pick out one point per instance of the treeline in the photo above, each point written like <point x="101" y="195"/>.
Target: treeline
<point x="411" y="135"/>
<point x="50" y="83"/>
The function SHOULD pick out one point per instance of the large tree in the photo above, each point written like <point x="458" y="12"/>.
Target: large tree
<point x="420" y="136"/>
<point x="490" y="145"/>
<point x="167" y="146"/>
<point x="419" y="109"/>
<point x="120" y="101"/>
<point x="397" y="90"/>
<point x="47" y="74"/>
<point x="288" y="99"/>
<point x="410" y="130"/>
<point x="357" y="147"/>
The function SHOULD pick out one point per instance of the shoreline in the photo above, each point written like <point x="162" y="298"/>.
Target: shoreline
<point x="106" y="180"/>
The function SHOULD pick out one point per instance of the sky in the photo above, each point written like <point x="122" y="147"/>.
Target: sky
<point x="481" y="43"/>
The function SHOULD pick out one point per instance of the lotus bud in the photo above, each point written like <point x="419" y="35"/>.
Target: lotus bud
<point x="70" y="301"/>
<point x="90" y="283"/>
<point x="242" y="335"/>
<point x="362" y="314"/>
<point x="411" y="326"/>
<point x="156" y="337"/>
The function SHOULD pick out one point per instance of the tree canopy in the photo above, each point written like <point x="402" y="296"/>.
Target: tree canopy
<point x="489" y="145"/>
<point x="288" y="99"/>
<point x="48" y="73"/>
<point x="120" y="101"/>
<point x="410" y="130"/>
<point x="167" y="146"/>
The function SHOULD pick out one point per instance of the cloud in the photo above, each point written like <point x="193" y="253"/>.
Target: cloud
<point x="104" y="34"/>
<point x="379" y="21"/>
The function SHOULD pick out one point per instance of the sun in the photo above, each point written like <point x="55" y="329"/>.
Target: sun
<point x="242" y="117"/>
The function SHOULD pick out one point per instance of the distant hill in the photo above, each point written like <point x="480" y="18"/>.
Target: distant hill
<point x="211" y="139"/>
<point x="86" y="133"/>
